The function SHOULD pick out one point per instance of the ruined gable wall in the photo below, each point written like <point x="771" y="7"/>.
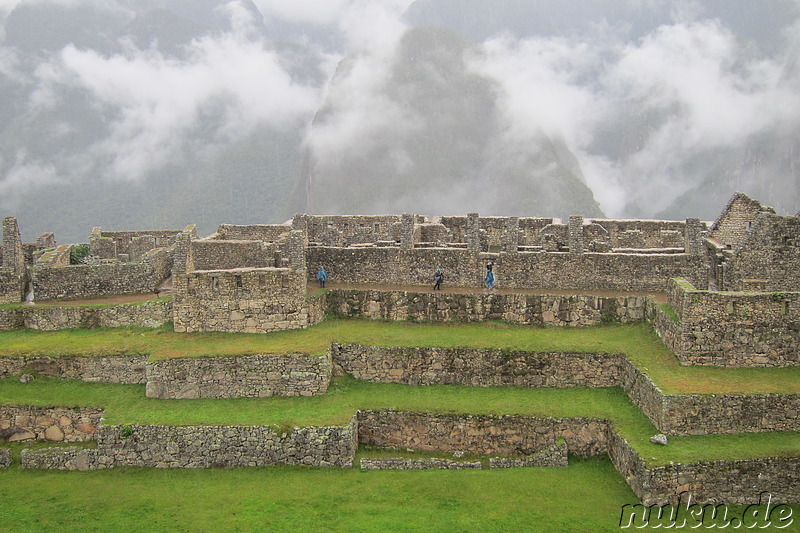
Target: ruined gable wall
<point x="736" y="220"/>
<point x="769" y="255"/>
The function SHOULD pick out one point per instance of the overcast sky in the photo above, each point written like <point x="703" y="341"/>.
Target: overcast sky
<point x="701" y="86"/>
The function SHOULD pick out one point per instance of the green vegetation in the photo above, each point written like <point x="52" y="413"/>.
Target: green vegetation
<point x="670" y="312"/>
<point x="586" y="496"/>
<point x="78" y="254"/>
<point x="127" y="404"/>
<point x="639" y="342"/>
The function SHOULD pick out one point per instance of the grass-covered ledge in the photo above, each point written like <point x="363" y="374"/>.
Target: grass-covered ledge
<point x="637" y="341"/>
<point x="126" y="404"/>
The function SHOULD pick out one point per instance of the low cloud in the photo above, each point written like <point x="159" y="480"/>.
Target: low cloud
<point x="686" y="89"/>
<point x="157" y="101"/>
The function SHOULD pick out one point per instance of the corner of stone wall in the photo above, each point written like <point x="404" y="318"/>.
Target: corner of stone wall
<point x="5" y="458"/>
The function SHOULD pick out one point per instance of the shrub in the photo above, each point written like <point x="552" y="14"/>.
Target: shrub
<point x="78" y="254"/>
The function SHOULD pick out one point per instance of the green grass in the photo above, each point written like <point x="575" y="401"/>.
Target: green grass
<point x="127" y="404"/>
<point x="586" y="496"/>
<point x="639" y="342"/>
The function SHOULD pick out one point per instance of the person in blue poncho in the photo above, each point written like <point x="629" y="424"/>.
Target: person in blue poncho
<point x="489" y="279"/>
<point x="322" y="277"/>
<point x="438" y="277"/>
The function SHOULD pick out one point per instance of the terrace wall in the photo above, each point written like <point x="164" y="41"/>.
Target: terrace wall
<point x="476" y="367"/>
<point x="239" y="377"/>
<point x="205" y="447"/>
<point x="148" y="314"/>
<point x="551" y="310"/>
<point x="112" y="369"/>
<point x="485" y="434"/>
<point x="57" y="424"/>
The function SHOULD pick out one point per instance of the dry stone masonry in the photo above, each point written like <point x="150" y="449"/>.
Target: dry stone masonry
<point x="733" y="300"/>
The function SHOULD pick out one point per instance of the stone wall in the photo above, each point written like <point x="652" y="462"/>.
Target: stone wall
<point x="148" y="314"/>
<point x="111" y="369"/>
<point x="732" y="329"/>
<point x="106" y="279"/>
<point x="130" y="243"/>
<point x="736" y="220"/>
<point x="12" y="287"/>
<point x="643" y="233"/>
<point x="57" y="424"/>
<point x="476" y="367"/>
<point x="257" y="232"/>
<point x="344" y="230"/>
<point x="531" y="270"/>
<point x="239" y="377"/>
<point x="205" y="447"/>
<point x="227" y="254"/>
<point x="484" y="434"/>
<point x="551" y="310"/>
<point x="399" y="463"/>
<point x="12" y="269"/>
<point x="554" y="456"/>
<point x="694" y="414"/>
<point x="731" y="482"/>
<point x="242" y="300"/>
<point x="768" y="258"/>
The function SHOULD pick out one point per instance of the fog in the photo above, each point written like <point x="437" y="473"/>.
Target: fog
<point x="656" y="101"/>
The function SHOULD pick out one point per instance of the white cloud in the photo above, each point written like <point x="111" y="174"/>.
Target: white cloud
<point x="695" y="87"/>
<point x="22" y="176"/>
<point x="157" y="100"/>
<point x="319" y="12"/>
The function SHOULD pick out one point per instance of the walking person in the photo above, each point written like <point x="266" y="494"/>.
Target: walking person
<point x="322" y="277"/>
<point x="438" y="278"/>
<point x="489" y="279"/>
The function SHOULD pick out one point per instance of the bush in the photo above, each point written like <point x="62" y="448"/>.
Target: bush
<point x="78" y="254"/>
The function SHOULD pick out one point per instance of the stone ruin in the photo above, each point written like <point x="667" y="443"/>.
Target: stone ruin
<point x="255" y="278"/>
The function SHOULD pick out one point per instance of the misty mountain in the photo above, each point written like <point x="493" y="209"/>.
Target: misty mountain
<point x="479" y="20"/>
<point x="434" y="142"/>
<point x="160" y="113"/>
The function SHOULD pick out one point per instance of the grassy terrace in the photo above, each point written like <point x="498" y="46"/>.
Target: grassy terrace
<point x="127" y="404"/>
<point x="637" y="341"/>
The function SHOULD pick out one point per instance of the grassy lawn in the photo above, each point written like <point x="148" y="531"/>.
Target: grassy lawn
<point x="637" y="341"/>
<point x="586" y="496"/>
<point x="127" y="404"/>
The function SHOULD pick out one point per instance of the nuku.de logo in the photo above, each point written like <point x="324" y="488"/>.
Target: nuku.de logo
<point x="764" y="514"/>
